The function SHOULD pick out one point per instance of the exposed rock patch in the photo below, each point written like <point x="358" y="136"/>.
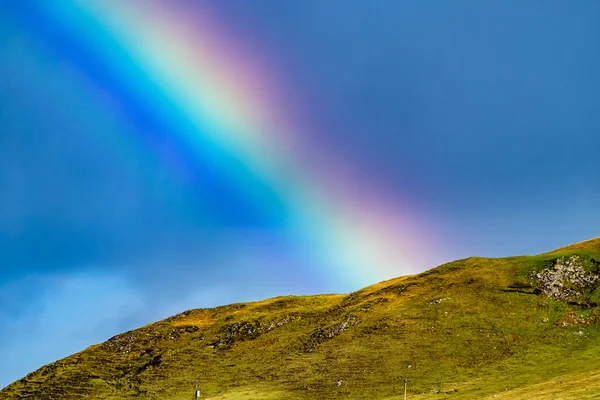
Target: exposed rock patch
<point x="241" y="329"/>
<point x="565" y="280"/>
<point x="286" y="320"/>
<point x="322" y="334"/>
<point x="439" y="301"/>
<point x="122" y="343"/>
<point x="246" y="330"/>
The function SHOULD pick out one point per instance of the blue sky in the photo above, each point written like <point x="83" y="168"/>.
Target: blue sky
<point x="485" y="114"/>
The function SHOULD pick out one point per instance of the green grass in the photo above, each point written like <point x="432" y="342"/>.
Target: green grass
<point x="472" y="328"/>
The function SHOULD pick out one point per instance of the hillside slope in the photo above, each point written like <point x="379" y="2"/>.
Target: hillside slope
<point x="510" y="328"/>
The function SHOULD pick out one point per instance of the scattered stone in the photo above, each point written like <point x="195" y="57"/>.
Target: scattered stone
<point x="573" y="319"/>
<point x="439" y="301"/>
<point x="245" y="330"/>
<point x="237" y="330"/>
<point x="566" y="279"/>
<point x="322" y="334"/>
<point x="284" y="321"/>
<point x="180" y="330"/>
<point x="122" y="343"/>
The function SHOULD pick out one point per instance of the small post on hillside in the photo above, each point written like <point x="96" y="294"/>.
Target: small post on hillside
<point x="197" y="393"/>
<point x="406" y="380"/>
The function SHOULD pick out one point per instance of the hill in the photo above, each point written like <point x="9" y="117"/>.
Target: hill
<point x="509" y="328"/>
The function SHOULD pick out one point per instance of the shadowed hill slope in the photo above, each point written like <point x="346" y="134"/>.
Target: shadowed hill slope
<point x="513" y="328"/>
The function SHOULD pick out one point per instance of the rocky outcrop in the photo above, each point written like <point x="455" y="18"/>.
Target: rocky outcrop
<point x="122" y="343"/>
<point x="566" y="280"/>
<point x="246" y="330"/>
<point x="322" y="334"/>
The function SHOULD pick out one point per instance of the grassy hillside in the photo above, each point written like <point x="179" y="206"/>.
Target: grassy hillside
<point x="511" y="328"/>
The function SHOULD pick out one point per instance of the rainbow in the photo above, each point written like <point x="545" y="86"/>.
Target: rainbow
<point x="219" y="101"/>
